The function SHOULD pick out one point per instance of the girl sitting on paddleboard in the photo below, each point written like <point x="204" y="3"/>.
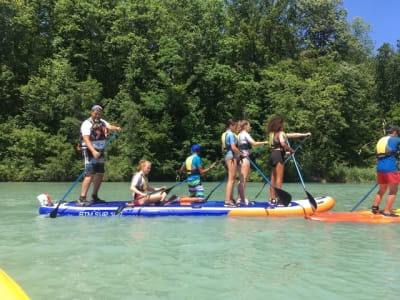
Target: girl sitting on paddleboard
<point x="140" y="187"/>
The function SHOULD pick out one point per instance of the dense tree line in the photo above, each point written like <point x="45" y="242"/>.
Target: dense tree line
<point x="171" y="72"/>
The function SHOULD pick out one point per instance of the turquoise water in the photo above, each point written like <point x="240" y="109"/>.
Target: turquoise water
<point x="196" y="257"/>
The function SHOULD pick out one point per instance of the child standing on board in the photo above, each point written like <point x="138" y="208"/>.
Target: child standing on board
<point x="193" y="166"/>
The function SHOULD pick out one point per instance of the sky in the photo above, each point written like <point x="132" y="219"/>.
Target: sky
<point x="381" y="15"/>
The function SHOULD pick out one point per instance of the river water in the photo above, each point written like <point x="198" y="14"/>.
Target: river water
<point x="196" y="257"/>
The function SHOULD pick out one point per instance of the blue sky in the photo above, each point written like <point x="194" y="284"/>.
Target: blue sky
<point x="382" y="15"/>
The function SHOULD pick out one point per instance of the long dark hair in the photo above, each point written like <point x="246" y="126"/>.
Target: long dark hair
<point x="275" y="123"/>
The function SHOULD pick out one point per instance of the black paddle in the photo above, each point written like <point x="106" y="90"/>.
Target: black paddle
<point x="53" y="214"/>
<point x="284" y="196"/>
<point x="122" y="206"/>
<point x="214" y="189"/>
<point x="309" y="196"/>
<point x="258" y="194"/>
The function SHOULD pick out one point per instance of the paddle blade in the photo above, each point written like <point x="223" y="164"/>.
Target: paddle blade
<point x="283" y="196"/>
<point x="312" y="201"/>
<point x="120" y="209"/>
<point x="54" y="213"/>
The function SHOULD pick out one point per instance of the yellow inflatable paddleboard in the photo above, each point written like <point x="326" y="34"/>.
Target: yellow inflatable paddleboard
<point x="9" y="289"/>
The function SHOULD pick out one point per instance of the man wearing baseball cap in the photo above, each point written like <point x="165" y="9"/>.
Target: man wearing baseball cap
<point x="193" y="166"/>
<point x="93" y="134"/>
<point x="387" y="171"/>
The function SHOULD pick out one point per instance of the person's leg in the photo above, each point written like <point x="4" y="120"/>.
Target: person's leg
<point x="87" y="180"/>
<point x="231" y="165"/>
<point x="98" y="169"/>
<point x="85" y="186"/>
<point x="98" y="179"/>
<point x="280" y="169"/>
<point x="196" y="188"/>
<point x="379" y="197"/>
<point x="393" y="187"/>
<point x="273" y="181"/>
<point x="244" y="171"/>
<point x="156" y="197"/>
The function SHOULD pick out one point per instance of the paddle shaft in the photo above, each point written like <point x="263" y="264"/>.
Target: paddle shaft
<point x="309" y="196"/>
<point x="286" y="160"/>
<point x="295" y="150"/>
<point x="285" y="197"/>
<point x="365" y="197"/>
<point x="53" y="214"/>
<point x="214" y="189"/>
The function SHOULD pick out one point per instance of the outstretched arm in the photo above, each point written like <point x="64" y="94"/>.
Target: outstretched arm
<point x="296" y="135"/>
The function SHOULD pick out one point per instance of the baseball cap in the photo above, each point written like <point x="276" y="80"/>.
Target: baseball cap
<point x="196" y="148"/>
<point x="97" y="108"/>
<point x="392" y="128"/>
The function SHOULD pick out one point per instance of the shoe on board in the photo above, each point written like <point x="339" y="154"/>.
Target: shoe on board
<point x="375" y="209"/>
<point x="97" y="200"/>
<point x="390" y="215"/>
<point x="82" y="202"/>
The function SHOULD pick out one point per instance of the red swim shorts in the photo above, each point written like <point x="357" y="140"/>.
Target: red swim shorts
<point x="388" y="178"/>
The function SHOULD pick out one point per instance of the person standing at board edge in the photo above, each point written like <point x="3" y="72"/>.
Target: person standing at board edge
<point x="93" y="133"/>
<point x="279" y="147"/>
<point x="388" y="175"/>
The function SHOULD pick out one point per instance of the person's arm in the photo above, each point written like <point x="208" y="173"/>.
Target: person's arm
<point x="113" y="127"/>
<point x="135" y="191"/>
<point x="204" y="171"/>
<point x="296" y="135"/>
<point x="282" y="140"/>
<point x="89" y="145"/>
<point x="254" y="143"/>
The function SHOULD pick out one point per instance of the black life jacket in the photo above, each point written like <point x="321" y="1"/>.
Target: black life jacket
<point x="98" y="132"/>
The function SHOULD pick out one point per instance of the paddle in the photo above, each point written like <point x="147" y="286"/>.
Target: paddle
<point x="53" y="214"/>
<point x="309" y="196"/>
<point x="258" y="194"/>
<point x="365" y="197"/>
<point x="286" y="160"/>
<point x="214" y="189"/>
<point x="295" y="150"/>
<point x="284" y="196"/>
<point x="122" y="206"/>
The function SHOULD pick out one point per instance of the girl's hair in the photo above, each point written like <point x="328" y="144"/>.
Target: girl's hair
<point x="141" y="163"/>
<point x="243" y="123"/>
<point x="275" y="123"/>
